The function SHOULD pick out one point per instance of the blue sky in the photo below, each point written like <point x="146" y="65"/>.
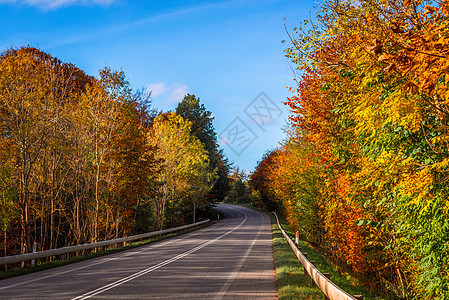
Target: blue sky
<point x="228" y="53"/>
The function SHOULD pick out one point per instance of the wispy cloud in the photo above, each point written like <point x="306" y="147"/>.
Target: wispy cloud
<point x="55" y="4"/>
<point x="165" y="95"/>
<point x="156" y="19"/>
<point x="177" y="93"/>
<point x="223" y="141"/>
<point x="157" y="88"/>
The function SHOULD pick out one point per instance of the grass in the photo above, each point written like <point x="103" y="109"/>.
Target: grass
<point x="291" y="281"/>
<point x="60" y="262"/>
<point x="293" y="284"/>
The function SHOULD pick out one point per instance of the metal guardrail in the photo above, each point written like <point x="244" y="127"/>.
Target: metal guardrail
<point x="59" y="251"/>
<point x="330" y="289"/>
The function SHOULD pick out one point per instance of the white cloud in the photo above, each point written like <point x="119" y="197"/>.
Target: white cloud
<point x="157" y="88"/>
<point x="177" y="93"/>
<point x="165" y="95"/>
<point x="54" y="4"/>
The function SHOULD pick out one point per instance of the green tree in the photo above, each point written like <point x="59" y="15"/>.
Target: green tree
<point x="239" y="192"/>
<point x="202" y="127"/>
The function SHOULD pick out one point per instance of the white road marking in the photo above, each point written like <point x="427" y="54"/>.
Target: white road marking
<point x="157" y="266"/>
<point x="234" y="274"/>
<point x="108" y="259"/>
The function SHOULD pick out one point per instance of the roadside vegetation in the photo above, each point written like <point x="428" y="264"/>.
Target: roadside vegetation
<point x="291" y="281"/>
<point x="362" y="173"/>
<point x="293" y="284"/>
<point x="85" y="159"/>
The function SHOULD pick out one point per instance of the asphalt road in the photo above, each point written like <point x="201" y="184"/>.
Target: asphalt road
<point x="231" y="259"/>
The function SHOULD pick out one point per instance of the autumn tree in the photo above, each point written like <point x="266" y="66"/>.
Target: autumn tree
<point x="35" y="91"/>
<point x="185" y="175"/>
<point x="258" y="181"/>
<point x="295" y="179"/>
<point x="75" y="164"/>
<point x="371" y="101"/>
<point x="135" y="167"/>
<point x="83" y="159"/>
<point x="99" y="110"/>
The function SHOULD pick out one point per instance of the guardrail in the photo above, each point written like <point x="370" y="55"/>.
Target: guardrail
<point x="331" y="290"/>
<point x="65" y="250"/>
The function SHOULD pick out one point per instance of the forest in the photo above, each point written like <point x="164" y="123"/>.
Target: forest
<point x="84" y="159"/>
<point x="363" y="171"/>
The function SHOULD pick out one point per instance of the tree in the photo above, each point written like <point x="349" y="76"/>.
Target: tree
<point x="185" y="173"/>
<point x="258" y="181"/>
<point x="133" y="168"/>
<point x="202" y="128"/>
<point x="294" y="178"/>
<point x="100" y="109"/>
<point x="371" y="100"/>
<point x="76" y="164"/>
<point x="35" y="90"/>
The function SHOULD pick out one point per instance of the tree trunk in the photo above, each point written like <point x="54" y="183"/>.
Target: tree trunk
<point x="52" y="223"/>
<point x="97" y="207"/>
<point x="5" y="240"/>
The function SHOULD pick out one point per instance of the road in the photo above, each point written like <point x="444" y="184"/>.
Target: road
<point x="231" y="259"/>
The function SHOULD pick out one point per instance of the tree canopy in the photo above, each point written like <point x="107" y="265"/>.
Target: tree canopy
<point x="363" y="171"/>
<point x="202" y="127"/>
<point x="185" y="175"/>
<point x="85" y="158"/>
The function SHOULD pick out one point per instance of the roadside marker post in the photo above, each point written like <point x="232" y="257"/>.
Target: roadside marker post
<point x="329" y="289"/>
<point x="297" y="238"/>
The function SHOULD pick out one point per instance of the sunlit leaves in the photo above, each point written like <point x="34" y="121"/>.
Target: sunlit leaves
<point x="185" y="174"/>
<point x="76" y="161"/>
<point x="372" y="100"/>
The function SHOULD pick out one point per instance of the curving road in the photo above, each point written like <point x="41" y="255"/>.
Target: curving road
<point x="231" y="259"/>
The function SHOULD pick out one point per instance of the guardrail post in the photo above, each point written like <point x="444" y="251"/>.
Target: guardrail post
<point x="328" y="276"/>
<point x="312" y="283"/>
<point x="33" y="261"/>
